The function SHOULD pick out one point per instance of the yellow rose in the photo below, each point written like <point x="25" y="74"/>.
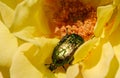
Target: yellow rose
<point x="25" y="45"/>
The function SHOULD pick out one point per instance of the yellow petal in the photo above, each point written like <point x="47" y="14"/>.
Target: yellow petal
<point x="26" y="34"/>
<point x="21" y="67"/>
<point x="31" y="58"/>
<point x="115" y="41"/>
<point x="27" y="14"/>
<point x="104" y="2"/>
<point x="97" y="2"/>
<point x="116" y="2"/>
<point x="11" y="3"/>
<point x="4" y="72"/>
<point x="83" y="50"/>
<point x="7" y="14"/>
<point x="104" y="13"/>
<point x="72" y="71"/>
<point x="1" y="75"/>
<point x="8" y="46"/>
<point x="60" y="75"/>
<point x="102" y="68"/>
<point x="114" y="22"/>
<point x="114" y="65"/>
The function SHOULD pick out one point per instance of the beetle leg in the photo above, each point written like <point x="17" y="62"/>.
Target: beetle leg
<point x="70" y="61"/>
<point x="64" y="68"/>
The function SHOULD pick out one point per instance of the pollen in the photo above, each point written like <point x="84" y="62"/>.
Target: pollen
<point x="73" y="16"/>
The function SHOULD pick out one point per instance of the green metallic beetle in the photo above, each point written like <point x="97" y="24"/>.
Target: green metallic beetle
<point x="64" y="51"/>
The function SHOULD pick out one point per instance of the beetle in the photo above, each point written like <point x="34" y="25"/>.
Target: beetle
<point x="65" y="49"/>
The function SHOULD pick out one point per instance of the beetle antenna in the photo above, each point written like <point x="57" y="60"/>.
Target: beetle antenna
<point x="47" y="64"/>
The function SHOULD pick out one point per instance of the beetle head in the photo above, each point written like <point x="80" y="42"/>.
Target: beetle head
<point x="52" y="67"/>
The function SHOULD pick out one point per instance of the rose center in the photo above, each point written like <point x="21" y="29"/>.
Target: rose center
<point x="73" y="16"/>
